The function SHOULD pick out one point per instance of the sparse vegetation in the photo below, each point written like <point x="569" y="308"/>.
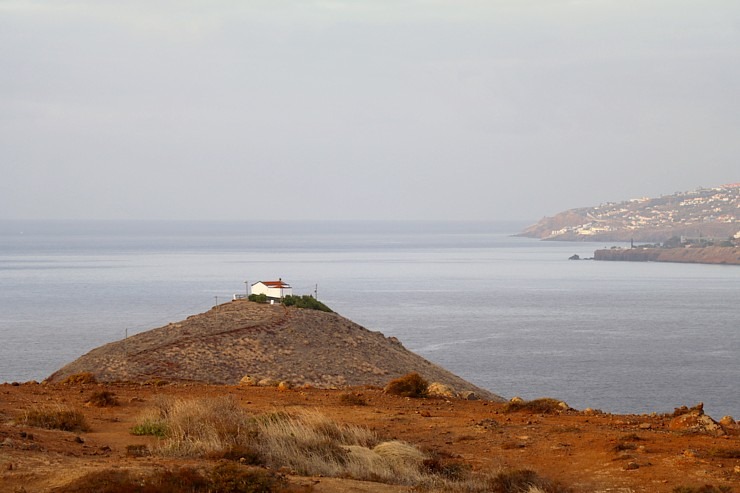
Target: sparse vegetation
<point x="410" y="385"/>
<point x="541" y="406"/>
<point x="707" y="488"/>
<point x="724" y="453"/>
<point x="622" y="446"/>
<point x="258" y="298"/>
<point x="103" y="398"/>
<point x="80" y="378"/>
<point x="307" y="443"/>
<point x="352" y="399"/>
<point x="137" y="450"/>
<point x="523" y="480"/>
<point x="224" y="478"/>
<point x="153" y="428"/>
<point x="56" y="418"/>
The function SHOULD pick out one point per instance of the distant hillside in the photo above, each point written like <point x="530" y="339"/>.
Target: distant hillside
<point x="706" y="212"/>
<point x="265" y="342"/>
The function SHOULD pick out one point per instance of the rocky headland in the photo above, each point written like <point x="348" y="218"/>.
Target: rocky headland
<point x="262" y="344"/>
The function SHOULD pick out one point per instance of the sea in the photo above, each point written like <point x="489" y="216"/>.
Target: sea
<point x="509" y="314"/>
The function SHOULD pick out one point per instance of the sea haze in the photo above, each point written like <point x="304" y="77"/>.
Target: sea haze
<point x="509" y="314"/>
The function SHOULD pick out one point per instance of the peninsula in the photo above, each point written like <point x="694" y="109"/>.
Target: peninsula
<point x="709" y="213"/>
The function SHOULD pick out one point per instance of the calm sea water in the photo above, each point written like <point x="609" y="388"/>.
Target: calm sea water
<point x="512" y="315"/>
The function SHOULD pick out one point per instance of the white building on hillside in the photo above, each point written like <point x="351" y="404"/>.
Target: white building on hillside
<point x="272" y="289"/>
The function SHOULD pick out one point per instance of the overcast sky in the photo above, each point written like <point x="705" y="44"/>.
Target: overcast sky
<point x="362" y="109"/>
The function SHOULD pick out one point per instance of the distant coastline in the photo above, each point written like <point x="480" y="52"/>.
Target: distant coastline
<point x="691" y="255"/>
<point x="708" y="213"/>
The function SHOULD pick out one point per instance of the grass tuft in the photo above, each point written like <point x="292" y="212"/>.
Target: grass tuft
<point x="56" y="418"/>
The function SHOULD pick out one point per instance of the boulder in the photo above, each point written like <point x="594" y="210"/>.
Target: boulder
<point x="248" y="381"/>
<point x="437" y="389"/>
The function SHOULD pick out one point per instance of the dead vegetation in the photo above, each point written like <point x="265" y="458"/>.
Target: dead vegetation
<point x="310" y="444"/>
<point x="103" y="398"/>
<point x="57" y="417"/>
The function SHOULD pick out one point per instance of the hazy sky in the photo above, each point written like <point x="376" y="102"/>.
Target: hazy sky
<point x="362" y="109"/>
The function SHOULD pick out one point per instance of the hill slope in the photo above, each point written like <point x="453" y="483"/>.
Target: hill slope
<point x="708" y="212"/>
<point x="303" y="347"/>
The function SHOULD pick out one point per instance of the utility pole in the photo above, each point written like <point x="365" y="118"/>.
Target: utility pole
<point x="316" y="292"/>
<point x="216" y="301"/>
<point x="246" y="287"/>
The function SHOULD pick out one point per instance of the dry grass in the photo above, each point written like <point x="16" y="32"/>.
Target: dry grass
<point x="200" y="427"/>
<point x="541" y="406"/>
<point x="55" y="418"/>
<point x="80" y="378"/>
<point x="309" y="443"/>
<point x="512" y="481"/>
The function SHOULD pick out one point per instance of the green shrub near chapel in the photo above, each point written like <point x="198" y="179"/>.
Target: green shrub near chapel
<point x="258" y="298"/>
<point x="305" y="301"/>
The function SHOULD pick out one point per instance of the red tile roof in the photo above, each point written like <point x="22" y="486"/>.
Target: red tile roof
<point x="275" y="284"/>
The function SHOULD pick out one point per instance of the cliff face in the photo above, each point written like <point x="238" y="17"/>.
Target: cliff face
<point x="705" y="255"/>
<point x="265" y="342"/>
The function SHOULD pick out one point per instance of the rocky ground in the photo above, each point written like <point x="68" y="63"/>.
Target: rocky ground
<point x="585" y="450"/>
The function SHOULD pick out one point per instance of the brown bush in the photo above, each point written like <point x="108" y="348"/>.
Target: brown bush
<point x="410" y="385"/>
<point x="103" y="399"/>
<point x="352" y="399"/>
<point x="545" y="405"/>
<point x="520" y="480"/>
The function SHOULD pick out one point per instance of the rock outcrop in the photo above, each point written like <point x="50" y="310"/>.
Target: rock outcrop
<point x="693" y="255"/>
<point x="695" y="421"/>
<point x="242" y="341"/>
